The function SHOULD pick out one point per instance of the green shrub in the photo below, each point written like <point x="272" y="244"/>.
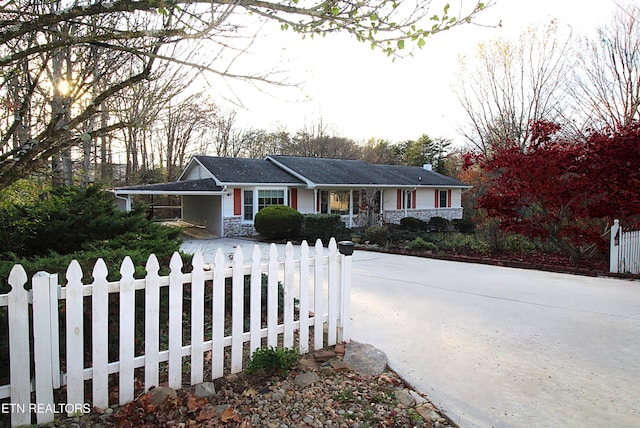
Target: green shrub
<point x="402" y="236"/>
<point x="82" y="224"/>
<point x="323" y="227"/>
<point x="420" y="244"/>
<point x="464" y="244"/>
<point x="272" y="360"/>
<point x="413" y="223"/>
<point x="439" y="224"/>
<point x="463" y="225"/>
<point x="378" y="235"/>
<point x="278" y="222"/>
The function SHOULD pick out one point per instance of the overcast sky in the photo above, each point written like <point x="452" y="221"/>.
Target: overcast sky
<point x="361" y="94"/>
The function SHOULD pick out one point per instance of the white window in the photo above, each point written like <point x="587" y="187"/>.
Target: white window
<point x="334" y="202"/>
<point x="270" y="197"/>
<point x="444" y="199"/>
<point x="248" y="205"/>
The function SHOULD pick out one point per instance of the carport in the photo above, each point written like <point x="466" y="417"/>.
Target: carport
<point x="201" y="201"/>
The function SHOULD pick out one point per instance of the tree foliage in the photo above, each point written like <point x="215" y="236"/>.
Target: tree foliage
<point x="63" y="63"/>
<point x="511" y="83"/>
<point x="563" y="192"/>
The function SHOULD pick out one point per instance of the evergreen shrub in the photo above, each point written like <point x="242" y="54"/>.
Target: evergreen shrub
<point x="278" y="222"/>
<point x="420" y="244"/>
<point x="82" y="224"/>
<point x="323" y="227"/>
<point x="439" y="224"/>
<point x="378" y="235"/>
<point x="413" y="223"/>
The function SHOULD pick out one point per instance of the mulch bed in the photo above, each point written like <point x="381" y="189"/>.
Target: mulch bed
<point x="538" y="261"/>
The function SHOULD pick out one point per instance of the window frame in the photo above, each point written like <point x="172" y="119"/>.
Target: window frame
<point x="441" y="194"/>
<point x="254" y="207"/>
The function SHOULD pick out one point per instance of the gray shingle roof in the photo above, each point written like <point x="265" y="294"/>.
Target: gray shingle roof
<point x="323" y="171"/>
<point x="243" y="170"/>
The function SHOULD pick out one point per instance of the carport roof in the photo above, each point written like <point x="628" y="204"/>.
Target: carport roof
<point x="205" y="186"/>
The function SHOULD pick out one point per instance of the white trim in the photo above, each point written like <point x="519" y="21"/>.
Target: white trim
<point x="202" y="167"/>
<point x="171" y="192"/>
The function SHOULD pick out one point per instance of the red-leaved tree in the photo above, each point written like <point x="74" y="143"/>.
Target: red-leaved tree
<point x="564" y="192"/>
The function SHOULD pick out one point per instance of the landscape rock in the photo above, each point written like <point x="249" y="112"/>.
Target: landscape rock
<point x="404" y="397"/>
<point x="324" y="355"/>
<point x="418" y="398"/>
<point x="158" y="395"/>
<point x="206" y="389"/>
<point x="340" y="366"/>
<point x="308" y="364"/>
<point x="305" y="379"/>
<point x="365" y="359"/>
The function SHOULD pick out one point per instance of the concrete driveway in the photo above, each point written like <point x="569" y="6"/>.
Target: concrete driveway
<point x="504" y="347"/>
<point x="500" y="347"/>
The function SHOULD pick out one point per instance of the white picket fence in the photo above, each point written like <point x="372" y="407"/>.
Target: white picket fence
<point x="624" y="250"/>
<point x="320" y="283"/>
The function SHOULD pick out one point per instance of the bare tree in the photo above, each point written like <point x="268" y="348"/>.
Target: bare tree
<point x="141" y="34"/>
<point x="319" y="140"/>
<point x="184" y="125"/>
<point x="513" y="84"/>
<point x="607" y="81"/>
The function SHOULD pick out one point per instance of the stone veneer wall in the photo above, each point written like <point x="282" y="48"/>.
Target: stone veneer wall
<point x="233" y="226"/>
<point x="394" y="216"/>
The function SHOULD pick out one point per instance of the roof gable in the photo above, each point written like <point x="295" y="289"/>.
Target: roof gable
<point x="246" y="171"/>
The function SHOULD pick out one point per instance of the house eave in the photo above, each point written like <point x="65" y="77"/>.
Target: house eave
<point x="170" y="192"/>
<point x="231" y="184"/>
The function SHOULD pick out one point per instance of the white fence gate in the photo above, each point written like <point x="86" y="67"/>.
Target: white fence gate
<point x="625" y="250"/>
<point x="316" y="300"/>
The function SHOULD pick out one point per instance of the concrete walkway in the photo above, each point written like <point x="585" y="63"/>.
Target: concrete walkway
<point x="495" y="346"/>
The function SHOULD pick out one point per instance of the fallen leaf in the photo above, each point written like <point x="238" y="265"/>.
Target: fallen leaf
<point x="229" y="415"/>
<point x="206" y="414"/>
<point x="195" y="403"/>
<point x="251" y="392"/>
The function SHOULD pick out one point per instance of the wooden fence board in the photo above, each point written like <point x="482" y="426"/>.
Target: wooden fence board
<point x="175" y="322"/>
<point x="127" y="332"/>
<point x="152" y="323"/>
<point x="294" y="274"/>
<point x="237" y="307"/>
<point x="20" y="371"/>
<point x="75" y="334"/>
<point x="100" y="335"/>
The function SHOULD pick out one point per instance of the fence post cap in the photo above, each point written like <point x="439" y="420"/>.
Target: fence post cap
<point x="346" y="247"/>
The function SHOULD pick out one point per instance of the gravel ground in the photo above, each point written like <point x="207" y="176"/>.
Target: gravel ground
<point x="318" y="392"/>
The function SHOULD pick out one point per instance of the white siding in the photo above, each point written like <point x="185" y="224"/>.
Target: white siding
<point x="305" y="201"/>
<point x="425" y="199"/>
<point x="196" y="172"/>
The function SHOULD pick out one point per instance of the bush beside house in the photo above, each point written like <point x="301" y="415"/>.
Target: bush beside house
<point x="278" y="222"/>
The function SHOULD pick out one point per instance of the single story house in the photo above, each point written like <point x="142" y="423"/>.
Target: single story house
<point x="224" y="194"/>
